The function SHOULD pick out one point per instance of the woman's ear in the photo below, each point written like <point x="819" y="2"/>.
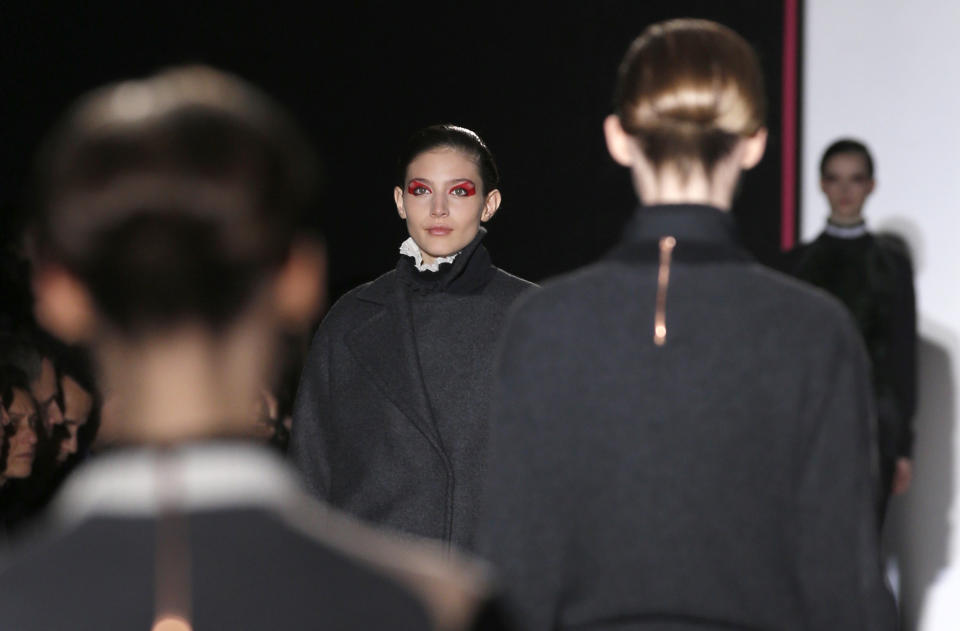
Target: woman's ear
<point x="398" y="200"/>
<point x="620" y="144"/>
<point x="300" y="288"/>
<point x="754" y="146"/>
<point x="62" y="304"/>
<point x="490" y="205"/>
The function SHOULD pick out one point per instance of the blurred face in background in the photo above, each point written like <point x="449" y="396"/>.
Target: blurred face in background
<point x="47" y="393"/>
<point x="23" y="442"/>
<point x="847" y="183"/>
<point x="77" y="404"/>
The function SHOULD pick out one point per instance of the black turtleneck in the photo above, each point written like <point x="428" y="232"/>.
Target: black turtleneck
<point x="703" y="234"/>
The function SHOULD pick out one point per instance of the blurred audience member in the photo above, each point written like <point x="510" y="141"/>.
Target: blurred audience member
<point x="34" y="353"/>
<point x="271" y="426"/>
<point x="22" y="414"/>
<point x="4" y="436"/>
<point x="18" y="413"/>
<point x="77" y="406"/>
<point x="81" y="404"/>
<point x="275" y="405"/>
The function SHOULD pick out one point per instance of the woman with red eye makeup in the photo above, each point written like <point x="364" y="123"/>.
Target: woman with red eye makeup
<point x="390" y="421"/>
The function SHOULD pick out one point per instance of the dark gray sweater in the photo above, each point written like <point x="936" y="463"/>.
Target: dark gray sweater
<point x="390" y="420"/>
<point x="721" y="480"/>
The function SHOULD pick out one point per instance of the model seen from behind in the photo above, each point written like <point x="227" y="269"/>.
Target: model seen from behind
<point x="680" y="437"/>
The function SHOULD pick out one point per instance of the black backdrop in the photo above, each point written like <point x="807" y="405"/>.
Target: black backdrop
<point x="534" y="79"/>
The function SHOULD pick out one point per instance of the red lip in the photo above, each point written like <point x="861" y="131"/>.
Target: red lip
<point x="439" y="231"/>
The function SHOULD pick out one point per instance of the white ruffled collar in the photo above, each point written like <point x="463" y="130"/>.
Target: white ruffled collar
<point x="411" y="249"/>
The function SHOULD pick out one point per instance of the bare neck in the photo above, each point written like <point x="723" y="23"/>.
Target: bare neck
<point x="183" y="385"/>
<point x="669" y="186"/>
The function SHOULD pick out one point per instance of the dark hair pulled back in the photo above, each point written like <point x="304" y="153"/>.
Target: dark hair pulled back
<point x="688" y="90"/>
<point x="454" y="137"/>
<point x="847" y="145"/>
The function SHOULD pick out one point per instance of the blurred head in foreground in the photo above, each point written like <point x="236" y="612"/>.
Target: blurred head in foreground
<point x="689" y="112"/>
<point x="165" y="238"/>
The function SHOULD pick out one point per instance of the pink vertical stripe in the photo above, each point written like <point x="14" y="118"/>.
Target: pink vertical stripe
<point x="788" y="158"/>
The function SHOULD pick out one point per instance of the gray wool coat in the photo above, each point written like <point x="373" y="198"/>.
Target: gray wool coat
<point x="390" y="418"/>
<point x="719" y="480"/>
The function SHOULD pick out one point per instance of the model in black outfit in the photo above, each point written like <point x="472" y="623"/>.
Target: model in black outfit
<point x="873" y="276"/>
<point x="390" y="421"/>
<point x="167" y="241"/>
<point x="681" y="438"/>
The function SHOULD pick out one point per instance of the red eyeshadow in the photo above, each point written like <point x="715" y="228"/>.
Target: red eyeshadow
<point x="467" y="186"/>
<point x="414" y="185"/>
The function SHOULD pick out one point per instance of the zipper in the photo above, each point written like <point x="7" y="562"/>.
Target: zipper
<point x="663" y="281"/>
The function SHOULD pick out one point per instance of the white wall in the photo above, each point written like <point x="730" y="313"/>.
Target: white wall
<point x="888" y="72"/>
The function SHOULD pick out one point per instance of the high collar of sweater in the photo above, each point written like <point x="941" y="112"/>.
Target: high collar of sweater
<point x="465" y="272"/>
<point x="846" y="231"/>
<point x="701" y="233"/>
<point x="688" y="222"/>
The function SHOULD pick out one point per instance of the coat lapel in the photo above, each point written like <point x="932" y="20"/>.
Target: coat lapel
<point x="384" y="346"/>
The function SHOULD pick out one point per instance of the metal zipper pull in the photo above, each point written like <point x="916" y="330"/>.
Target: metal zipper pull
<point x="663" y="280"/>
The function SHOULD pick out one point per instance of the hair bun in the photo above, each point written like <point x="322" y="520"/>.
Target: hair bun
<point x="172" y="196"/>
<point x="687" y="79"/>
